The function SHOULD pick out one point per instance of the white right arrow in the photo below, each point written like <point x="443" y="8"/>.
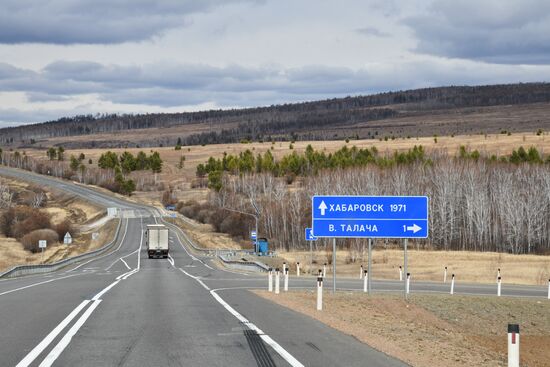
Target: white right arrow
<point x="414" y="228"/>
<point x="323" y="207"/>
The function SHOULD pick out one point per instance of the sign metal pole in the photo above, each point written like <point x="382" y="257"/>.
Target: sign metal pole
<point x="334" y="265"/>
<point x="369" y="268"/>
<point x="405" y="243"/>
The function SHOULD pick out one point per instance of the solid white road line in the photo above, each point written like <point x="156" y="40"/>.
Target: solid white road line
<point x="125" y="263"/>
<point x="171" y="260"/>
<point x="196" y="278"/>
<point x="266" y="338"/>
<point x="58" y="349"/>
<point x="39" y="283"/>
<point x="31" y="356"/>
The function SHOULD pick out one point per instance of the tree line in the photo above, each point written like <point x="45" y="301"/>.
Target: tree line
<point x="114" y="173"/>
<point x="286" y="121"/>
<point x="476" y="203"/>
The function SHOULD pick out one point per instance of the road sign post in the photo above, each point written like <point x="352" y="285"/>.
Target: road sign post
<point x="42" y="245"/>
<point x="370" y="217"/>
<point x="310" y="238"/>
<point x="334" y="265"/>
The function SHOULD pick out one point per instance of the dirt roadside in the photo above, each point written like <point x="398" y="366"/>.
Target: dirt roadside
<point x="433" y="330"/>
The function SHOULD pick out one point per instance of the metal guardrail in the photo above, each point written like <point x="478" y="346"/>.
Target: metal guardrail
<point x="46" y="268"/>
<point x="244" y="265"/>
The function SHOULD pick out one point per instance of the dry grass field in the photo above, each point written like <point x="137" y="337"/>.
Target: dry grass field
<point x="433" y="330"/>
<point x="468" y="266"/>
<point x="499" y="144"/>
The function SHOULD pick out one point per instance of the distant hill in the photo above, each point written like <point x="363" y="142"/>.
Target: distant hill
<point x="419" y="112"/>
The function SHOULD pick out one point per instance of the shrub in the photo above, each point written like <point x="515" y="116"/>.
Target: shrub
<point x="62" y="228"/>
<point x="28" y="220"/>
<point x="30" y="240"/>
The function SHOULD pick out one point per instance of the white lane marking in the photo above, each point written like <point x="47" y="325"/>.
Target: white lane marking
<point x="105" y="290"/>
<point x="39" y="283"/>
<point x="110" y="253"/>
<point x="196" y="278"/>
<point x="205" y="264"/>
<point x="58" y="349"/>
<point x="266" y="338"/>
<point x="171" y="260"/>
<point x="125" y="263"/>
<point x="31" y="356"/>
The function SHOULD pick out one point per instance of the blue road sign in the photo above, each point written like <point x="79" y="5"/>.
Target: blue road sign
<point x="253" y="235"/>
<point x="370" y="216"/>
<point x="309" y="235"/>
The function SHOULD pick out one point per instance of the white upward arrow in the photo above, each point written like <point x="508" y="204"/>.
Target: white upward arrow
<point x="414" y="228"/>
<point x="323" y="207"/>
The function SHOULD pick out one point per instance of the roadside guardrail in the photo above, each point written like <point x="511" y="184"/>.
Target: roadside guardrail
<point x="46" y="268"/>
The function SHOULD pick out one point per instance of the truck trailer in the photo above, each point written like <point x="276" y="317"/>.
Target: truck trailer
<point x="157" y="240"/>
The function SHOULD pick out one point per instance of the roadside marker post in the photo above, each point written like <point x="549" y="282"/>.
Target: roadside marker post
<point x="452" y="284"/>
<point x="297" y="269"/>
<point x="498" y="274"/>
<point x="361" y="272"/>
<point x="325" y="270"/>
<point x="284" y="268"/>
<point x="365" y="281"/>
<point x="340" y="216"/>
<point x="400" y="273"/>
<point x="408" y="290"/>
<point x="270" y="280"/>
<point x="286" y="279"/>
<point x="548" y="288"/>
<point x="445" y="275"/>
<point x="319" y="293"/>
<point x="277" y="280"/>
<point x="499" y="286"/>
<point x="513" y="345"/>
<point x="42" y="245"/>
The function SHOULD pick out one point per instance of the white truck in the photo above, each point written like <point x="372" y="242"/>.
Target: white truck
<point x="157" y="240"/>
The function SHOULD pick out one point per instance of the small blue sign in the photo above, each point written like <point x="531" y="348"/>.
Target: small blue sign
<point x="309" y="235"/>
<point x="370" y="216"/>
<point x="253" y="235"/>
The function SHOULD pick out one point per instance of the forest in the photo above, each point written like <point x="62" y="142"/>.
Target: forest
<point x="303" y="121"/>
<point x="476" y="203"/>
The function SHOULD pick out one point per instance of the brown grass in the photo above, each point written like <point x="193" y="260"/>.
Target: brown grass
<point x="468" y="266"/>
<point x="433" y="330"/>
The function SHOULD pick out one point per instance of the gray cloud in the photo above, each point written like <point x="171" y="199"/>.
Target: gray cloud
<point x="94" y="21"/>
<point x="511" y="32"/>
<point x="371" y="31"/>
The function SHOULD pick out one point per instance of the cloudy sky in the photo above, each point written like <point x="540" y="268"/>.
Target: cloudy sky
<point x="64" y="57"/>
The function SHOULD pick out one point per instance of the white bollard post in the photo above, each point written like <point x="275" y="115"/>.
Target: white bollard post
<point x="298" y="269"/>
<point x="270" y="280"/>
<point x="286" y="280"/>
<point x="400" y="273"/>
<point x="498" y="286"/>
<point x="513" y="345"/>
<point x="445" y="275"/>
<point x="365" y="281"/>
<point x="325" y="270"/>
<point x="319" y="293"/>
<point x="548" y="288"/>
<point x="284" y="267"/>
<point x="452" y="284"/>
<point x="277" y="280"/>
<point x="498" y="274"/>
<point x="408" y="283"/>
<point x="361" y="272"/>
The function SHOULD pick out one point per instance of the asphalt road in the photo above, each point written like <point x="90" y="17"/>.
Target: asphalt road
<point x="123" y="309"/>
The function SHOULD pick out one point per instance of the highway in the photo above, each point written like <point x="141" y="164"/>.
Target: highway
<point x="123" y="309"/>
